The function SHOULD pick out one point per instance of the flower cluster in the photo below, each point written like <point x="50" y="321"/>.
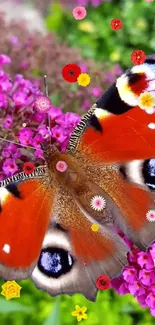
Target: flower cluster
<point x="32" y="57"/>
<point x="21" y="122"/>
<point x="138" y="277"/>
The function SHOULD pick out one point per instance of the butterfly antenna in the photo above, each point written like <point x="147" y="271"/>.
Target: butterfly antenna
<point x="19" y="144"/>
<point x="47" y="94"/>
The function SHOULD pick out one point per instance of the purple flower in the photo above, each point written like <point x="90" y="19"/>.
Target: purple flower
<point x="9" y="167"/>
<point x="5" y="84"/>
<point x="3" y="100"/>
<point x="25" y="135"/>
<point x="146" y="277"/>
<point x="145" y="260"/>
<point x="8" y="122"/>
<point x="142" y="300"/>
<point x="152" y="251"/>
<point x="150" y="300"/>
<point x="130" y="274"/>
<point x="36" y="141"/>
<point x="97" y="92"/>
<point x="55" y="112"/>
<point x="58" y="134"/>
<point x="120" y="287"/>
<point x="136" y="289"/>
<point x="39" y="154"/>
<point x="14" y="40"/>
<point x="43" y="131"/>
<point x="19" y="98"/>
<point x="4" y="59"/>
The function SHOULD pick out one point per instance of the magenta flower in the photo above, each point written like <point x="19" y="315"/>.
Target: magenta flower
<point x="43" y="131"/>
<point x="55" y="112"/>
<point x="146" y="277"/>
<point x="145" y="260"/>
<point x="150" y="300"/>
<point x="136" y="289"/>
<point x="9" y="167"/>
<point x="97" y="92"/>
<point x="130" y="274"/>
<point x="36" y="141"/>
<point x="4" y="59"/>
<point x="19" y="98"/>
<point x="58" y="134"/>
<point x="7" y="122"/>
<point x="25" y="135"/>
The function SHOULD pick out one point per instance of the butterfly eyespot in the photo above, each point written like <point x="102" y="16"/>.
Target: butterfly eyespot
<point x="98" y="203"/>
<point x="148" y="172"/>
<point x="54" y="262"/>
<point x="150" y="216"/>
<point x="61" y="166"/>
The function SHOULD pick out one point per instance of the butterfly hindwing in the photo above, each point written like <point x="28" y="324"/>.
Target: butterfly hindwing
<point x="73" y="256"/>
<point x="25" y="210"/>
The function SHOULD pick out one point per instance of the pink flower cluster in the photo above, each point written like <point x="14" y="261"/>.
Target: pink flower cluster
<point x="138" y="277"/>
<point x="21" y="122"/>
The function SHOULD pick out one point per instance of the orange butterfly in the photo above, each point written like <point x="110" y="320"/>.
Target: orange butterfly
<point x="104" y="177"/>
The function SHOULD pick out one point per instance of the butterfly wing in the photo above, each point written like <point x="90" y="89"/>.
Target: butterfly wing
<point x="116" y="129"/>
<point x="73" y="256"/>
<point x="25" y="209"/>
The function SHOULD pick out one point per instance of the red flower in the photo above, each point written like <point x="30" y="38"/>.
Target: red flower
<point x="138" y="57"/>
<point x="103" y="282"/>
<point x="116" y="24"/>
<point x="70" y="72"/>
<point x="28" y="168"/>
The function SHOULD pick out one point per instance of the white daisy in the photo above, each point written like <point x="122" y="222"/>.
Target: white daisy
<point x="98" y="203"/>
<point x="150" y="216"/>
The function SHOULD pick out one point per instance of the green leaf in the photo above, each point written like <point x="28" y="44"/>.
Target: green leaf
<point x="55" y="99"/>
<point x="9" y="307"/>
<point x="54" y="317"/>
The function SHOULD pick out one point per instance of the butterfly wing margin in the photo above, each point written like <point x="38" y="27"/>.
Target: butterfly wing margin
<point x="26" y="207"/>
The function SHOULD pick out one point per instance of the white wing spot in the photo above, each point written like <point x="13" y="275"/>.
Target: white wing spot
<point x="6" y="248"/>
<point x="3" y="194"/>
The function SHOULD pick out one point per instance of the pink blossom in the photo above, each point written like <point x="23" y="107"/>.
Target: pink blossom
<point x="145" y="260"/>
<point x="136" y="289"/>
<point x="9" y="167"/>
<point x="130" y="274"/>
<point x="146" y="277"/>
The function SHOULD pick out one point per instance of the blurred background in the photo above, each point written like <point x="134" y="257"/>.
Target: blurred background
<point x="41" y="36"/>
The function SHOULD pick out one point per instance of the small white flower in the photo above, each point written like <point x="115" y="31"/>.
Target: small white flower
<point x="98" y="203"/>
<point x="150" y="216"/>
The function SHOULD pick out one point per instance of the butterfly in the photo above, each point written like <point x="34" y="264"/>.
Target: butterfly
<point x="105" y="177"/>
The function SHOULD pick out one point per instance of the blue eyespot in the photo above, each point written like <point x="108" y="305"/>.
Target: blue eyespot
<point x="54" y="262"/>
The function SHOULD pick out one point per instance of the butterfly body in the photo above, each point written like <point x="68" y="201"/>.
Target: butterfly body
<point x="105" y="177"/>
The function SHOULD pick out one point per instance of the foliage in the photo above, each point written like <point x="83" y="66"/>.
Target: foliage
<point x="41" y="309"/>
<point x="95" y="37"/>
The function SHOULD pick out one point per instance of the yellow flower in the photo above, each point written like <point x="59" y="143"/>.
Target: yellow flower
<point x="80" y="313"/>
<point x="11" y="289"/>
<point x="95" y="227"/>
<point x="83" y="79"/>
<point x="86" y="26"/>
<point x="147" y="102"/>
